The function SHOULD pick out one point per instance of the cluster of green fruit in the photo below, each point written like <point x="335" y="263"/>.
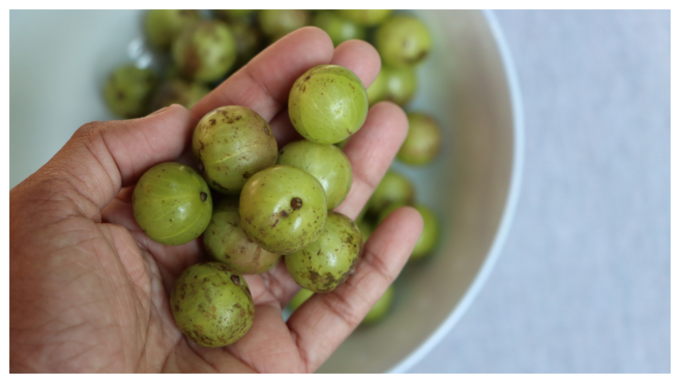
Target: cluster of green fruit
<point x="271" y="203"/>
<point x="202" y="50"/>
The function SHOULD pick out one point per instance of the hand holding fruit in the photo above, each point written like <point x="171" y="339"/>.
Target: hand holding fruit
<point x="90" y="291"/>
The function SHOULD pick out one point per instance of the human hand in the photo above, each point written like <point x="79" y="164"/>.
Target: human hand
<point x="89" y="290"/>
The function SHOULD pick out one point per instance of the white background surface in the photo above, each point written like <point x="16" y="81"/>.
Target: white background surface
<point x="583" y="282"/>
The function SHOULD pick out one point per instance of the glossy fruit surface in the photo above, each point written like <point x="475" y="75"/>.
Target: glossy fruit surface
<point x="276" y="23"/>
<point x="205" y="51"/>
<point x="394" y="188"/>
<point x="178" y="91"/>
<point x="381" y="307"/>
<point x="422" y="142"/>
<point x="325" y="264"/>
<point x="211" y="305"/>
<point x="326" y="162"/>
<point x="283" y="209"/>
<point x="366" y="17"/>
<point x="128" y="90"/>
<point x="338" y="28"/>
<point x="428" y="239"/>
<point x="403" y="41"/>
<point x="162" y="26"/>
<point x="172" y="203"/>
<point x="233" y="143"/>
<point x="327" y="104"/>
<point x="226" y="242"/>
<point x="300" y="298"/>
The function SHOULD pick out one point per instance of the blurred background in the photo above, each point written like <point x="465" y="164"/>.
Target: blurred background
<point x="583" y="281"/>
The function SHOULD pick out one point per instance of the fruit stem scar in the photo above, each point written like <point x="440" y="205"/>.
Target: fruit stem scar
<point x="203" y="196"/>
<point x="235" y="279"/>
<point x="296" y="203"/>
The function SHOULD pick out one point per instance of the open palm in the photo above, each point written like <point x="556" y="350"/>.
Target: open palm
<point x="89" y="290"/>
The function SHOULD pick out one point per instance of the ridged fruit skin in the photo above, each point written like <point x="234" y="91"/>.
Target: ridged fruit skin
<point x="172" y="203"/>
<point x="211" y="305"/>
<point x="233" y="143"/>
<point x="327" y="104"/>
<point x="283" y="209"/>
<point x="326" y="162"/>
<point x="226" y="242"/>
<point x="325" y="264"/>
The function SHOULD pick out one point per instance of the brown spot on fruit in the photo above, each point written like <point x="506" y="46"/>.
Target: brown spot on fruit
<point x="204" y="196"/>
<point x="236" y="280"/>
<point x="296" y="203"/>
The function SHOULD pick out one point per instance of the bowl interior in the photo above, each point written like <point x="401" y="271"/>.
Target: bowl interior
<point x="464" y="85"/>
<point x="56" y="74"/>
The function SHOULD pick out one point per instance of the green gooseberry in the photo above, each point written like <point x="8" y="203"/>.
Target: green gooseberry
<point x="428" y="239"/>
<point x="381" y="307"/>
<point x="225" y="241"/>
<point x="338" y="28"/>
<point x="283" y="209"/>
<point x="378" y="90"/>
<point x="394" y="188"/>
<point x="300" y="298"/>
<point x="211" y="305"/>
<point x="366" y="17"/>
<point x="400" y="84"/>
<point x="128" y="90"/>
<point x="178" y="91"/>
<point x="422" y="142"/>
<point x="327" y="104"/>
<point x="205" y="51"/>
<point x="233" y="143"/>
<point x="172" y="203"/>
<point x="276" y="23"/>
<point x="403" y="41"/>
<point x="325" y="264"/>
<point x="162" y="26"/>
<point x="326" y="162"/>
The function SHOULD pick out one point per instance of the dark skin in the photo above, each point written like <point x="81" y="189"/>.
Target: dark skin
<point x="89" y="290"/>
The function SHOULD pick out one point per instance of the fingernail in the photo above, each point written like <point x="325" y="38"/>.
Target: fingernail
<point x="159" y="111"/>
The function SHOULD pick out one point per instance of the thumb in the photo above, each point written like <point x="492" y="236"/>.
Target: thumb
<point x="101" y="157"/>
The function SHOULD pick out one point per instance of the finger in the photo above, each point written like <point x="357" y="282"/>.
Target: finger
<point x="371" y="150"/>
<point x="264" y="83"/>
<point x="358" y="56"/>
<point x="323" y="322"/>
<point x="103" y="156"/>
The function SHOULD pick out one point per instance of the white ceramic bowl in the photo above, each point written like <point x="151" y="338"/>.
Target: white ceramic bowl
<point x="59" y="59"/>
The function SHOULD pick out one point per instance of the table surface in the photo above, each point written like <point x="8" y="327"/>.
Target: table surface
<point x="583" y="282"/>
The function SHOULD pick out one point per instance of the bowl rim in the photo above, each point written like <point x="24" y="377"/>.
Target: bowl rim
<point x="510" y="205"/>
